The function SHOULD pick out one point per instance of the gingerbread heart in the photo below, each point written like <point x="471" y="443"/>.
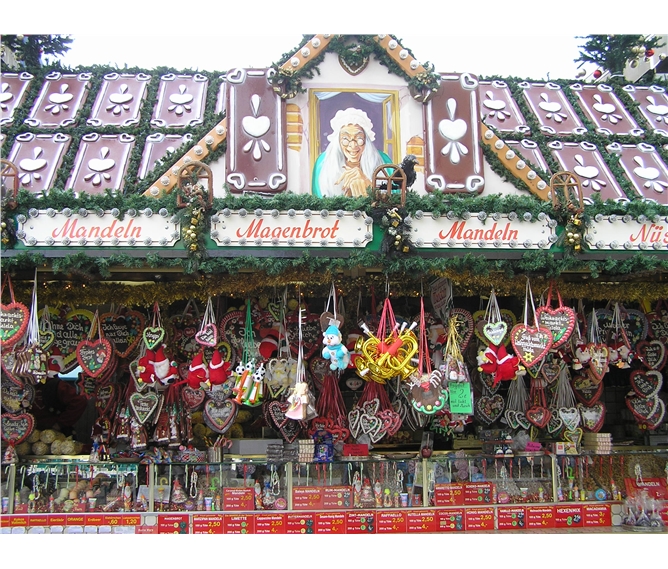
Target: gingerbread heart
<point x="570" y="417"/>
<point x="479" y="322"/>
<point x="16" y="398"/>
<point x="495" y="331"/>
<point x="16" y="428"/>
<point x="46" y="339"/>
<point x="658" y="327"/>
<point x="489" y="409"/>
<point x="510" y="415"/>
<point x="277" y="410"/>
<point x="646" y="383"/>
<point x="538" y="416"/>
<point x="70" y="328"/>
<point x="311" y="334"/>
<point x="207" y="335"/>
<point x="94" y="356"/>
<point x="656" y="418"/>
<point x="143" y="405"/>
<point x="354" y="421"/>
<point x="487" y="380"/>
<point x="219" y="416"/>
<point x="464" y="326"/>
<point x="372" y="426"/>
<point x="643" y="408"/>
<point x="652" y="354"/>
<point x="574" y="436"/>
<point x="371" y="406"/>
<point x="522" y="420"/>
<point x="231" y="330"/>
<point x="550" y="371"/>
<point x="105" y="398"/>
<point x="559" y="321"/>
<point x="14" y="318"/>
<point x="531" y="343"/>
<point x="555" y="424"/>
<point x="193" y="398"/>
<point x="600" y="357"/>
<point x="7" y="362"/>
<point x="587" y="390"/>
<point x="635" y="325"/>
<point x="153" y="336"/>
<point x="318" y="368"/>
<point x="123" y="330"/>
<point x="593" y="416"/>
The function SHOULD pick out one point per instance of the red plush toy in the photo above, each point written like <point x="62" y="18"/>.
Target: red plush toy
<point x="198" y="372"/>
<point x="219" y="369"/>
<point x="497" y="362"/>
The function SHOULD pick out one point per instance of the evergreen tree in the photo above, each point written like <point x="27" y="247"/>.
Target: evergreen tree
<point x="612" y="52"/>
<point x="29" y="49"/>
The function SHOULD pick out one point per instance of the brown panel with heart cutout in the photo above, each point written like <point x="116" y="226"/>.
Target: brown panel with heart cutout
<point x="256" y="159"/>
<point x="452" y="124"/>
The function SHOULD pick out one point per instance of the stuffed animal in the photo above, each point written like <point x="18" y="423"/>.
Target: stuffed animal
<point x="334" y="350"/>
<point x="496" y="360"/>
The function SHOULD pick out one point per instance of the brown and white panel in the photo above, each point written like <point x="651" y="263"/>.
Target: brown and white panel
<point x="645" y="169"/>
<point x="653" y="104"/>
<point x="38" y="158"/>
<point x="498" y="108"/>
<point x="59" y="101"/>
<point x="181" y="101"/>
<point x="118" y="102"/>
<point x="601" y="106"/>
<point x="551" y="108"/>
<point x="13" y="89"/>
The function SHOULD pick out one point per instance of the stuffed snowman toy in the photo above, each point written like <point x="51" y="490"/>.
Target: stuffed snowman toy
<point x="334" y="350"/>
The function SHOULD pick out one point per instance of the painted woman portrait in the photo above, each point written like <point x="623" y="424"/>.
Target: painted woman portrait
<point x="347" y="164"/>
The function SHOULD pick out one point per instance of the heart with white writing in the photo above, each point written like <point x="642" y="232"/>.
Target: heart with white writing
<point x="193" y="398"/>
<point x="15" y="398"/>
<point x="479" y="321"/>
<point x="655" y="419"/>
<point x="587" y="390"/>
<point x="94" y="356"/>
<point x="70" y="328"/>
<point x="123" y="330"/>
<point x="143" y="405"/>
<point x="658" y="328"/>
<point x="46" y="339"/>
<point x="600" y="357"/>
<point x="105" y="398"/>
<point x="231" y="329"/>
<point x="153" y="336"/>
<point x="354" y="416"/>
<point x="538" y="416"/>
<point x="570" y="417"/>
<point x="489" y="409"/>
<point x="652" y="354"/>
<point x="14" y="318"/>
<point x="531" y="343"/>
<point x="495" y="331"/>
<point x="220" y="415"/>
<point x="646" y="383"/>
<point x="642" y="407"/>
<point x="560" y="321"/>
<point x="207" y="336"/>
<point x="551" y="370"/>
<point x="593" y="416"/>
<point x="555" y="424"/>
<point x="16" y="428"/>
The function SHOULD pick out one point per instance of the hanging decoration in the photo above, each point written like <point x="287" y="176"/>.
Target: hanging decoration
<point x="334" y="350"/>
<point x="597" y="350"/>
<point x="560" y="320"/>
<point x="94" y="356"/>
<point x="530" y="342"/>
<point x="249" y="375"/>
<point x="14" y="318"/>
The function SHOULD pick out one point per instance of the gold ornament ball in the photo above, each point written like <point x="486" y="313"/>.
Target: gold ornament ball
<point x="3" y="225"/>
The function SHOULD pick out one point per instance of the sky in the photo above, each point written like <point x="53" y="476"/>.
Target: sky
<point x="483" y="38"/>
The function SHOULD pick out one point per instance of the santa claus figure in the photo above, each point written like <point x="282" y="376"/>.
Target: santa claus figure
<point x="198" y="372"/>
<point x="497" y="362"/>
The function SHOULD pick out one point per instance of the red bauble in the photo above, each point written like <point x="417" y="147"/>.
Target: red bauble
<point x="597" y="73"/>
<point x="649" y="52"/>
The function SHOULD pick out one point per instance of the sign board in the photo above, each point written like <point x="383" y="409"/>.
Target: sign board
<point x="623" y="233"/>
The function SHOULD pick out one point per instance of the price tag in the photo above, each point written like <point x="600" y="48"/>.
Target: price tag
<point x="596" y="515"/>
<point x="421" y="521"/>
<point x="147" y="529"/>
<point x="336" y="497"/>
<point x="239" y="499"/>
<point x="360" y="522"/>
<point x="76" y="520"/>
<point x="95" y="520"/>
<point x="307" y="498"/>
<point x="540" y="517"/>
<point x="178" y="523"/>
<point x="461" y="400"/>
<point x="133" y="520"/>
<point x="513" y="517"/>
<point x="207" y="524"/>
<point x="57" y="519"/>
<point x="239" y="523"/>
<point x="299" y="523"/>
<point x="330" y="523"/>
<point x="391" y="522"/>
<point x="479" y="519"/>
<point x="38" y="521"/>
<point x="478" y="493"/>
<point x="449" y="495"/>
<point x="568" y="517"/>
<point x="451" y="519"/>
<point x="270" y="523"/>
<point x="114" y="520"/>
<point x="656" y="487"/>
<point x="19" y="521"/>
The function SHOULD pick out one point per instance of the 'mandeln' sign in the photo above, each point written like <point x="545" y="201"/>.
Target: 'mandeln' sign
<point x="264" y="228"/>
<point x="501" y="231"/>
<point x="51" y="228"/>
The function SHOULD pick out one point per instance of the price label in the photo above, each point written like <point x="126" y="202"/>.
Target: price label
<point x="337" y="497"/>
<point x="178" y="523"/>
<point x="113" y="521"/>
<point x="299" y="523"/>
<point x="207" y="524"/>
<point x="656" y="487"/>
<point x="421" y="521"/>
<point x="540" y="517"/>
<point x="134" y="520"/>
<point x="76" y="520"/>
<point x="568" y="517"/>
<point x="38" y="521"/>
<point x="479" y="519"/>
<point x="307" y="498"/>
<point x="449" y="495"/>
<point x="330" y="522"/>
<point x="361" y="522"/>
<point x="147" y="529"/>
<point x="270" y="523"/>
<point x="478" y="493"/>
<point x="239" y="523"/>
<point x="451" y="519"/>
<point x="239" y="499"/>
<point x="57" y="519"/>
<point x="19" y="521"/>
<point x="596" y="515"/>
<point x="95" y="520"/>
<point x="391" y="522"/>
<point x="511" y="517"/>
<point x="461" y="400"/>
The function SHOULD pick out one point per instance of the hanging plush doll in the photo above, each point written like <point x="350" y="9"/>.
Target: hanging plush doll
<point x="161" y="363"/>
<point x="219" y="369"/>
<point x="198" y="372"/>
<point x="145" y="367"/>
<point x="497" y="362"/>
<point x="334" y="350"/>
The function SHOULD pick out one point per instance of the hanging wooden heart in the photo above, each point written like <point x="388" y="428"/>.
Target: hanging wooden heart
<point x="489" y="409"/>
<point x="658" y="327"/>
<point x="219" y="416"/>
<point x="593" y="416"/>
<point x="207" y="335"/>
<point x="153" y="336"/>
<point x="642" y="407"/>
<point x="70" y="328"/>
<point x="143" y="405"/>
<point x="16" y="428"/>
<point x="570" y="417"/>
<point x="560" y="321"/>
<point x="555" y="424"/>
<point x="94" y="356"/>
<point x="538" y="416"/>
<point x="600" y="357"/>
<point x="652" y="354"/>
<point x="531" y="343"/>
<point x="14" y="319"/>
<point x="193" y="398"/>
<point x="646" y="383"/>
<point x="123" y="330"/>
<point x="587" y="390"/>
<point x="463" y="326"/>
<point x="16" y="399"/>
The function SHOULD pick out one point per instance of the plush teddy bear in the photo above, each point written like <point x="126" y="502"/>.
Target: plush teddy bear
<point x="334" y="350"/>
